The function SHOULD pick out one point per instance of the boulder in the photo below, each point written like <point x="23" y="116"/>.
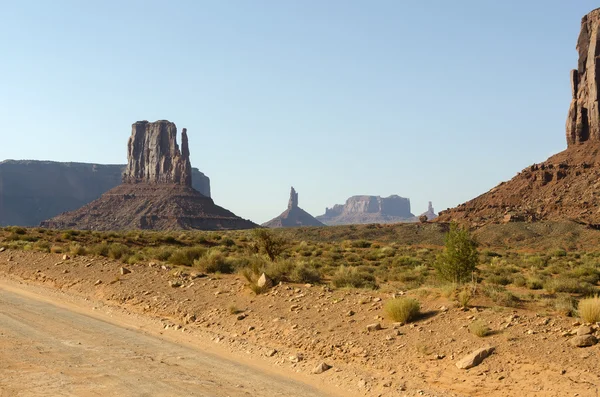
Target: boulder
<point x="583" y="341"/>
<point x="475" y="358"/>
<point x="585" y="330"/>
<point x="264" y="281"/>
<point x="322" y="367"/>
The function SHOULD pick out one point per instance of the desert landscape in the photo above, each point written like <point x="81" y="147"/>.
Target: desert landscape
<point x="130" y="280"/>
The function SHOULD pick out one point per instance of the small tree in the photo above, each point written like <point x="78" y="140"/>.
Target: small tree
<point x="459" y="259"/>
<point x="266" y="242"/>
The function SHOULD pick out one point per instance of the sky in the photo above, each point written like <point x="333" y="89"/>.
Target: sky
<point x="433" y="100"/>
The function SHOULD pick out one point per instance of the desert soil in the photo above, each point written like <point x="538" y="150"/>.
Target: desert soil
<point x="98" y="332"/>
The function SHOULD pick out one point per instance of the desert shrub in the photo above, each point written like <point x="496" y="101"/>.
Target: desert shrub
<point x="519" y="280"/>
<point x="534" y="283"/>
<point x="77" y="249"/>
<point x="589" y="309"/>
<point x="118" y="251"/>
<point x="161" y="253"/>
<point x="406" y="261"/>
<point x="559" y="253"/>
<point x="479" y="328"/>
<point x="569" y="285"/>
<point x="304" y="273"/>
<point x="214" y="262"/>
<point x="565" y="304"/>
<point x="99" y="249"/>
<point x="56" y="249"/>
<point x="500" y="296"/>
<point x="360" y="244"/>
<point x="402" y="309"/>
<point x="135" y="258"/>
<point x="186" y="256"/>
<point x="587" y="273"/>
<point x="267" y="243"/>
<point x="459" y="259"/>
<point x="464" y="297"/>
<point x="347" y="277"/>
<point x="42" y="246"/>
<point x="498" y="279"/>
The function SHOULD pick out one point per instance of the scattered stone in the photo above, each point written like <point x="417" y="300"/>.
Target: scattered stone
<point x="174" y="284"/>
<point x="98" y="282"/>
<point x="242" y="316"/>
<point x="2" y="249"/>
<point x="297" y="358"/>
<point x="124" y="270"/>
<point x="583" y="341"/>
<point x="373" y="327"/>
<point x="271" y="353"/>
<point x="585" y="330"/>
<point x="475" y="358"/>
<point x="322" y="367"/>
<point x="264" y="281"/>
<point x="66" y="257"/>
<point x="350" y="313"/>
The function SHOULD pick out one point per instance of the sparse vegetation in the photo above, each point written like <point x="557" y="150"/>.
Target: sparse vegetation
<point x="459" y="259"/>
<point x="479" y="328"/>
<point x="589" y="309"/>
<point x="402" y="310"/>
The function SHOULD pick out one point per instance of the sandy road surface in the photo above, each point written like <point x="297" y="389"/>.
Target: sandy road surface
<point x="50" y="349"/>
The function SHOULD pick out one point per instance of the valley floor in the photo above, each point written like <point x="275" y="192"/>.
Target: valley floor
<point x="80" y="327"/>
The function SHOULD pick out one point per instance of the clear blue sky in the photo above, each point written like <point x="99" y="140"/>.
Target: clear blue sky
<point x="432" y="100"/>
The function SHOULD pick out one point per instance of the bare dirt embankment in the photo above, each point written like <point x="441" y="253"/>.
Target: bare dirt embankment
<point x="293" y="328"/>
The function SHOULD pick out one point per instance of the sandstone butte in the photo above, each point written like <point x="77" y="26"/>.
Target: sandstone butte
<point x="156" y="192"/>
<point x="567" y="185"/>
<point x="294" y="216"/>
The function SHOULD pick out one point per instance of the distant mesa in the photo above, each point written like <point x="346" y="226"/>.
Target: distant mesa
<point x="566" y="186"/>
<point x="32" y="191"/>
<point x="369" y="209"/>
<point x="156" y="190"/>
<point x="294" y="216"/>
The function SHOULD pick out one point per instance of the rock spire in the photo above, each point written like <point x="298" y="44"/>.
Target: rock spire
<point x="583" y="121"/>
<point x="293" y="202"/>
<point x="153" y="155"/>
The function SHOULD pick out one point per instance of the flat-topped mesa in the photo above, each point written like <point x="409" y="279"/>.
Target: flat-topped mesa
<point x="293" y="202"/>
<point x="583" y="121"/>
<point x="153" y="155"/>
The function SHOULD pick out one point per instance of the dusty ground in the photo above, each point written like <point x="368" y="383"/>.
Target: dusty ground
<point x="532" y="356"/>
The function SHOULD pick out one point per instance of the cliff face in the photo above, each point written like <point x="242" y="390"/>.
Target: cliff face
<point x="583" y="121"/>
<point x="369" y="209"/>
<point x="31" y="191"/>
<point x="154" y="156"/>
<point x="156" y="192"/>
<point x="294" y="216"/>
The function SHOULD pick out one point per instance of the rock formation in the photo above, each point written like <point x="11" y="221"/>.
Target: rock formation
<point x="583" y="121"/>
<point x="430" y="213"/>
<point x="369" y="209"/>
<point x="154" y="157"/>
<point x="156" y="192"/>
<point x="564" y="187"/>
<point x="294" y="216"/>
<point x="32" y="191"/>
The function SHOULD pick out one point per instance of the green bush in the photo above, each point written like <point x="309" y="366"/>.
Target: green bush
<point x="402" y="309"/>
<point x="479" y="328"/>
<point x="214" y="262"/>
<point x="267" y="243"/>
<point x="459" y="259"/>
<point x="186" y="256"/>
<point x="118" y="251"/>
<point x="347" y="277"/>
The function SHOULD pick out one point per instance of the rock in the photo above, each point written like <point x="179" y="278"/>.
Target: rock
<point x="583" y="341"/>
<point x="369" y="209"/>
<point x="154" y="156"/>
<point x="241" y="316"/>
<point x="174" y="284"/>
<point x="350" y="313"/>
<point x="585" y="330"/>
<point x="271" y="353"/>
<point x="98" y="282"/>
<point x="2" y="249"/>
<point x="373" y="327"/>
<point x="65" y="257"/>
<point x="264" y="281"/>
<point x="124" y="270"/>
<point x="583" y="121"/>
<point x="297" y="358"/>
<point x="156" y="191"/>
<point x="294" y="216"/>
<point x="322" y="367"/>
<point x="475" y="358"/>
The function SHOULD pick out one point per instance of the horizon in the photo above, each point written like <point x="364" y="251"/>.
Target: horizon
<point x="335" y="99"/>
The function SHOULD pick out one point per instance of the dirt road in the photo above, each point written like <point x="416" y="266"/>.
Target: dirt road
<point x="49" y="347"/>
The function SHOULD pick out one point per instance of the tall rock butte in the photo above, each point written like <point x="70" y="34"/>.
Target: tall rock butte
<point x="566" y="186"/>
<point x="156" y="192"/>
<point x="294" y="216"/>
<point x="583" y="121"/>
